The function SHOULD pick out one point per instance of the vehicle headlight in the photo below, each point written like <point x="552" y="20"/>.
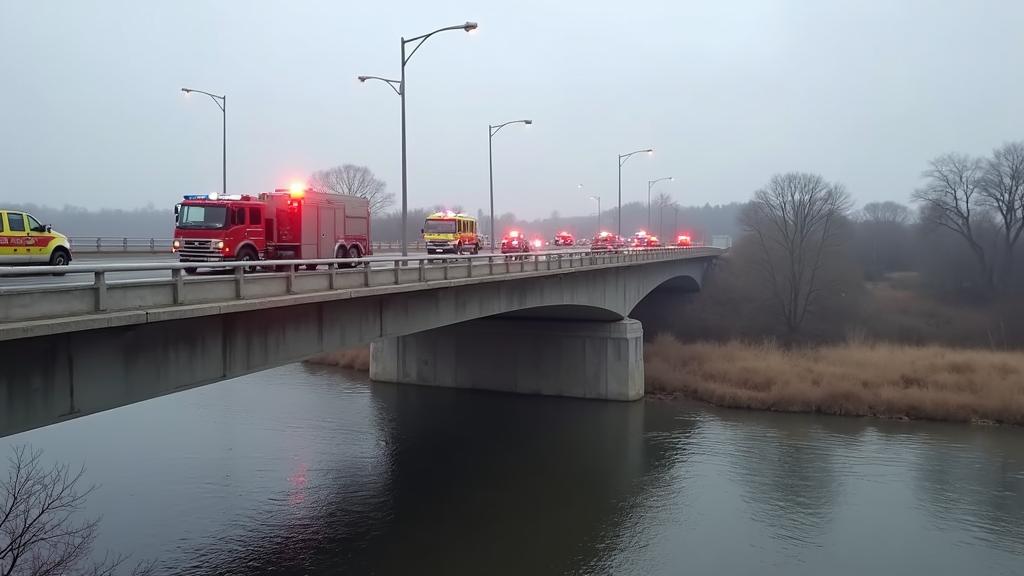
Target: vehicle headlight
<point x="176" y="244"/>
<point x="219" y="244"/>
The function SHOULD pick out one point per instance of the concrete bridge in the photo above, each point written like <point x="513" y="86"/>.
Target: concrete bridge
<point x="551" y="323"/>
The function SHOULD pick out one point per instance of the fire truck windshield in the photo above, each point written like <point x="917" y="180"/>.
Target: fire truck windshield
<point x="439" y="227"/>
<point x="192" y="216"/>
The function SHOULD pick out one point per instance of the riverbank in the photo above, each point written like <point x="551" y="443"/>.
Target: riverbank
<point x="854" y="379"/>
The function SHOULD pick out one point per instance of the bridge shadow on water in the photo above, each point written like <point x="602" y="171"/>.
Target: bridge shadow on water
<point x="475" y="482"/>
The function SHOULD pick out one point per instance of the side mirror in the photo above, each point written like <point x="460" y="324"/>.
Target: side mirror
<point x="421" y="231"/>
<point x="177" y="207"/>
<point x="48" y="228"/>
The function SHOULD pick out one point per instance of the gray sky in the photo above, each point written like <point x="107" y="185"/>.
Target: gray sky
<point x="861" y="91"/>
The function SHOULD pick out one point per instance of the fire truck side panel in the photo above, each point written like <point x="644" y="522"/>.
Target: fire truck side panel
<point x="326" y="240"/>
<point x="357" y="231"/>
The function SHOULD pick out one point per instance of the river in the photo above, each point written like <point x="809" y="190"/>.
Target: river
<point x="312" y="470"/>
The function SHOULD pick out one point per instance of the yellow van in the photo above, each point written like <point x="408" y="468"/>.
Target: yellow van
<point x="23" y="240"/>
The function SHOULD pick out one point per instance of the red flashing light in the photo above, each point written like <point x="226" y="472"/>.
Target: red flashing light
<point x="513" y="234"/>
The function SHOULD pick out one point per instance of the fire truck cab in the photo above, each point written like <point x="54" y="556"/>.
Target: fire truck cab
<point x="450" y="233"/>
<point x="280" y="225"/>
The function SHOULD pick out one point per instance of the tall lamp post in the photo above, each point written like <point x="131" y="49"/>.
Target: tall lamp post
<point x="598" y="198"/>
<point x="222" y="103"/>
<point x="650" y="184"/>
<point x="491" y="131"/>
<point x="622" y="160"/>
<point x="399" y="87"/>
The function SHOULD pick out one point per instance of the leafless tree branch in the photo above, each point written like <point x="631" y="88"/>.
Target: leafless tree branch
<point x="354" y="181"/>
<point x="41" y="529"/>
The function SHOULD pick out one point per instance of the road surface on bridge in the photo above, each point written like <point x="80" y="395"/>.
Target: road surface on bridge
<point x="85" y="279"/>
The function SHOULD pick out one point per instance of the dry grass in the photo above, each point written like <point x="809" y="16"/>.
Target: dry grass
<point x="355" y="358"/>
<point x="854" y="379"/>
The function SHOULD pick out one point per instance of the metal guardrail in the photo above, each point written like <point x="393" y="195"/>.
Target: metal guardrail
<point x="41" y="301"/>
<point x="114" y="245"/>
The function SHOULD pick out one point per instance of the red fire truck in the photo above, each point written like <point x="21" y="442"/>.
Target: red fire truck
<point x="296" y="223"/>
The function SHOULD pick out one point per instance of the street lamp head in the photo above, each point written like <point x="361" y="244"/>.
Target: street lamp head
<point x="363" y="78"/>
<point x="186" y="90"/>
<point x="671" y="178"/>
<point x="649" y="150"/>
<point x="527" y="122"/>
<point x="469" y="26"/>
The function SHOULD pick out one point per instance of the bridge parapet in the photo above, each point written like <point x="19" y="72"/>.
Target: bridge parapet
<point x="87" y="303"/>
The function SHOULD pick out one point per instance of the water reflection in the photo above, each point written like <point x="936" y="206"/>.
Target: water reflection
<point x="463" y="482"/>
<point x="306" y="470"/>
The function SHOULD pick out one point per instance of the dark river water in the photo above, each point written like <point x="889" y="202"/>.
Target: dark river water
<point x="310" y="470"/>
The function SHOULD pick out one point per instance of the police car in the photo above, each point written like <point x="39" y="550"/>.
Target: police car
<point x="24" y="240"/>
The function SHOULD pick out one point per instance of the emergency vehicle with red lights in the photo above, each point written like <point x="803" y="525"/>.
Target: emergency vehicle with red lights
<point x="684" y="241"/>
<point x="564" y="239"/>
<point x="286" y="224"/>
<point x="449" y="232"/>
<point x="515" y="242"/>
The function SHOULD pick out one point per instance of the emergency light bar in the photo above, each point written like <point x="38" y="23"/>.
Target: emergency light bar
<point x="216" y="196"/>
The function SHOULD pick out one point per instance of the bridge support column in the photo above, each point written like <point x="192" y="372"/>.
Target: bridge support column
<point x="601" y="360"/>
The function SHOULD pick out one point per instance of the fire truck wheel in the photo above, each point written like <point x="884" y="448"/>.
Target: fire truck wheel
<point x="342" y="253"/>
<point x="355" y="252"/>
<point x="476" y="248"/>
<point x="191" y="270"/>
<point x="248" y="255"/>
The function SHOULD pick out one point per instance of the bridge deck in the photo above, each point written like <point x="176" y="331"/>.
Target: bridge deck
<point x="28" y="311"/>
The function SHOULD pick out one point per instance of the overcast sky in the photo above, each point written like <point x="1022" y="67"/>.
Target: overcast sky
<point x="728" y="93"/>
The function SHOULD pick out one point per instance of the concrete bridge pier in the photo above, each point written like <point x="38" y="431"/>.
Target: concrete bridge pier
<point x="580" y="359"/>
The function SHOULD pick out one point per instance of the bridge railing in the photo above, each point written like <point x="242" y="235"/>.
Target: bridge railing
<point x="99" y="292"/>
<point x="130" y="245"/>
<point x="115" y="244"/>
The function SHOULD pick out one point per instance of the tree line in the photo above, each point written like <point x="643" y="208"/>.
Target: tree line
<point x="808" y="267"/>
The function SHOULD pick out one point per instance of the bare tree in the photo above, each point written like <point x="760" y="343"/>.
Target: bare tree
<point x="882" y="242"/>
<point x="794" y="221"/>
<point x="952" y="200"/>
<point x="354" y="181"/>
<point x="41" y="532"/>
<point x="1002" y="190"/>
<point x="662" y="202"/>
<point x="885" y="213"/>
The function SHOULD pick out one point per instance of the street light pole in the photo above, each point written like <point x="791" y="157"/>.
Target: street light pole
<point x="491" y="131"/>
<point x="399" y="87"/>
<point x="650" y="184"/>
<point x="622" y="160"/>
<point x="598" y="198"/>
<point x="222" y="103"/>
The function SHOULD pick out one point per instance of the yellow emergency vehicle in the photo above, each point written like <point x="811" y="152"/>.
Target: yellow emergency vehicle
<point x="450" y="233"/>
<point x="24" y="240"/>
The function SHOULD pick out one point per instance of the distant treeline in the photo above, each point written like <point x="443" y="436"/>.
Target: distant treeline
<point x="151" y="222"/>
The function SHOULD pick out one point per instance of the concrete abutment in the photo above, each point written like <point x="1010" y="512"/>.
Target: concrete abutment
<point x="580" y="359"/>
